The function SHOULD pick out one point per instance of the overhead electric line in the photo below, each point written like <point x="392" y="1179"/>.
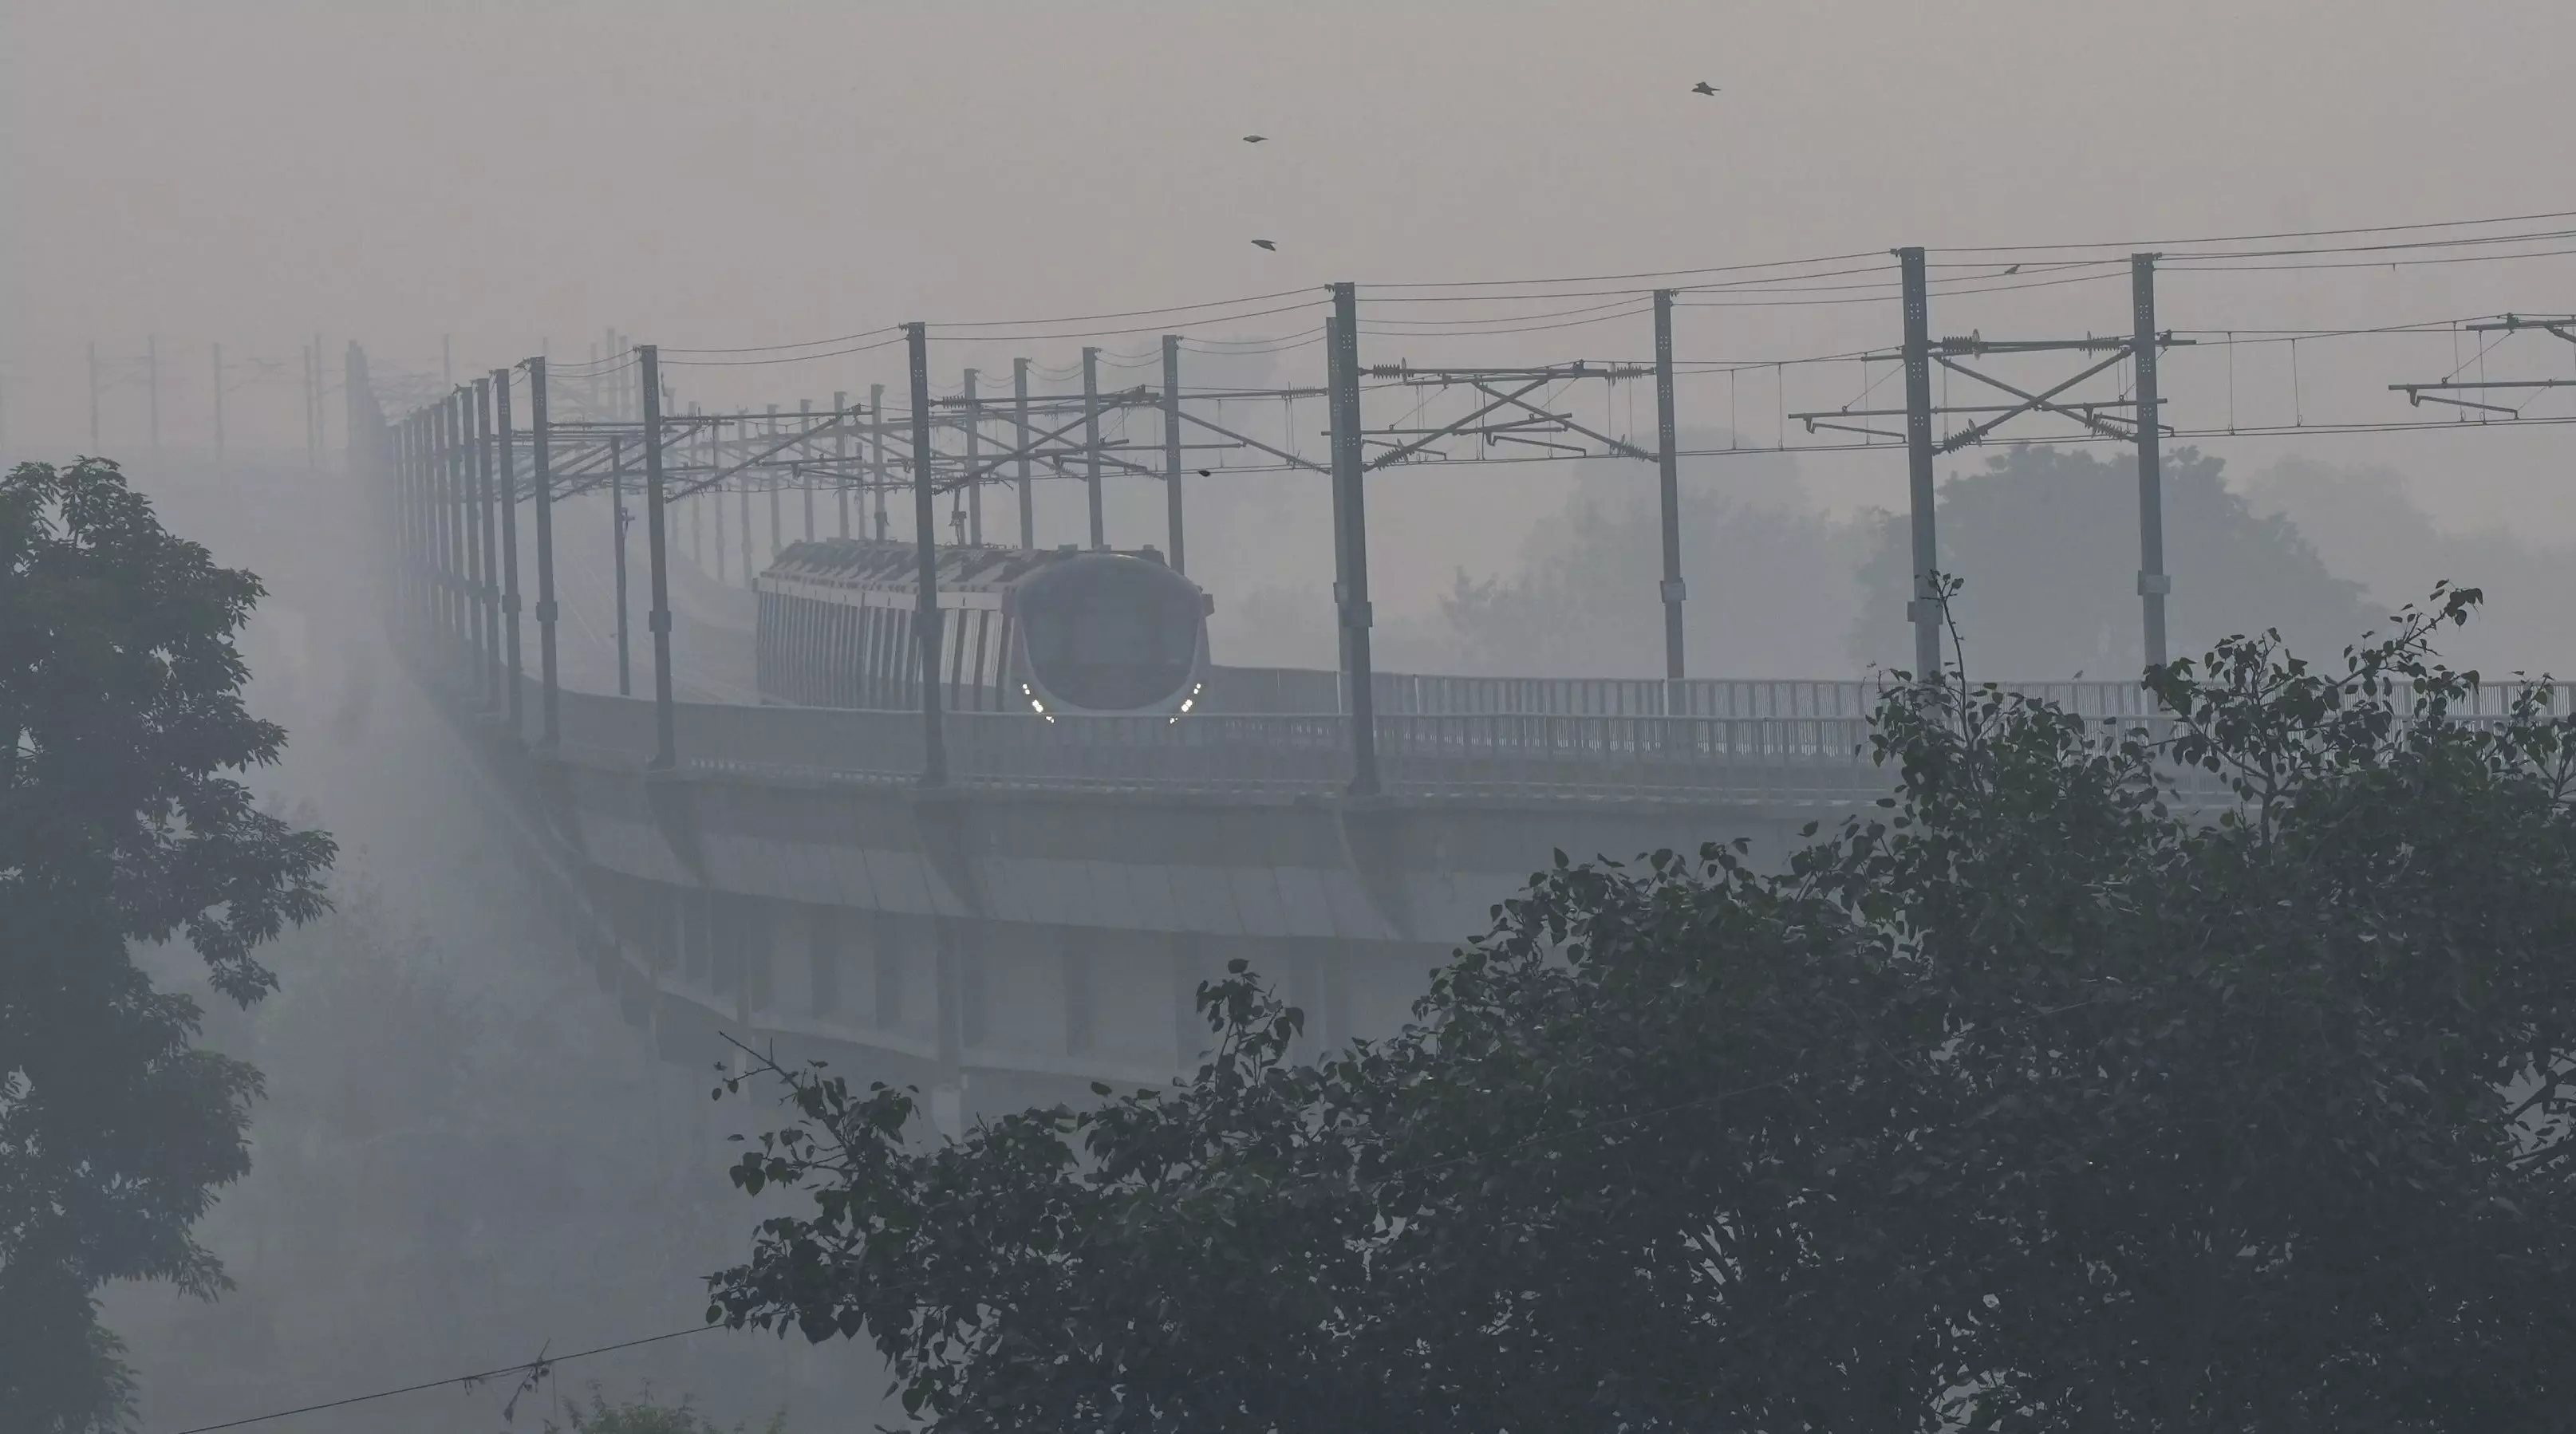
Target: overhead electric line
<point x="2132" y="244"/>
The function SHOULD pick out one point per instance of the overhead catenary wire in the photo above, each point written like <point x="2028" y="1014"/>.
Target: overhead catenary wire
<point x="1883" y="297"/>
<point x="2226" y="268"/>
<point x="1747" y="285"/>
<point x="783" y="358"/>
<point x="477" y="1377"/>
<point x="1057" y="337"/>
<point x="804" y="344"/>
<point x="2255" y="238"/>
<point x="805" y="469"/>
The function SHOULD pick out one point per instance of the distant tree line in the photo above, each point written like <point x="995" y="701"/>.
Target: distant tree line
<point x="2045" y="539"/>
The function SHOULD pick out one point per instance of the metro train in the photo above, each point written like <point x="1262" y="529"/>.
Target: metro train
<point x="1050" y="633"/>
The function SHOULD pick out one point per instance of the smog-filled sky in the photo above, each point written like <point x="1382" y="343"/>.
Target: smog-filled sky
<point x="256" y="173"/>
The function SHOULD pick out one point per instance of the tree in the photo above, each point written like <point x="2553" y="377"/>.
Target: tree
<point x="120" y="705"/>
<point x="2046" y="540"/>
<point x="1769" y="579"/>
<point x="2211" y="1074"/>
<point x="2367" y="527"/>
<point x="646" y="1415"/>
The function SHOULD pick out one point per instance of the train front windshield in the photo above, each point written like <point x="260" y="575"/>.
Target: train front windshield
<point x="1108" y="633"/>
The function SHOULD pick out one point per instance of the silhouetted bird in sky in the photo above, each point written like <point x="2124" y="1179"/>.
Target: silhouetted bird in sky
<point x="1206" y="473"/>
<point x="1254" y="138"/>
<point x="1265" y="244"/>
<point x="2008" y="273"/>
<point x="1703" y="88"/>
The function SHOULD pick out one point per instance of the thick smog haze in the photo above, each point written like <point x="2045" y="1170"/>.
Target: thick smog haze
<point x="1509" y="447"/>
<point x="250" y="173"/>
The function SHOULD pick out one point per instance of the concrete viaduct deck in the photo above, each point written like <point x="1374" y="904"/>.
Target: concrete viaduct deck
<point x="1045" y="918"/>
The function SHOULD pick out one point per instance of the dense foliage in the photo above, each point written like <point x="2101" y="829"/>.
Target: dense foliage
<point x="2213" y="1076"/>
<point x="647" y="1415"/>
<point x="120" y="714"/>
<point x="2046" y="541"/>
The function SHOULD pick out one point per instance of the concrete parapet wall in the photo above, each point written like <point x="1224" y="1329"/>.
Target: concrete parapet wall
<point x="1014" y="942"/>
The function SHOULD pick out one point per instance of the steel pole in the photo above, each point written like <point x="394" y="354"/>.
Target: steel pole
<point x="841" y="458"/>
<point x="617" y="556"/>
<point x="541" y="461"/>
<point x="506" y="447"/>
<point x="1350" y="538"/>
<point x="1668" y="484"/>
<point x="768" y="439"/>
<point x="750" y="574"/>
<point x="777" y="537"/>
<point x="974" y="464"/>
<point x="487" y="544"/>
<point x="2153" y="582"/>
<point x="876" y="455"/>
<point x="805" y="474"/>
<point x="1172" y="452"/>
<point x="666" y="754"/>
<point x="427" y="456"/>
<point x="451" y="515"/>
<point x="934" y="754"/>
<point x="1020" y="415"/>
<point x="424" y="582"/>
<point x="1091" y="445"/>
<point x="1926" y="609"/>
<point x="398" y="526"/>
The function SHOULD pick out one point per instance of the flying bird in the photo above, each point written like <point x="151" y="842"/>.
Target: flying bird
<point x="1254" y="138"/>
<point x="1207" y="473"/>
<point x="1703" y="88"/>
<point x="2008" y="273"/>
<point x="1270" y="245"/>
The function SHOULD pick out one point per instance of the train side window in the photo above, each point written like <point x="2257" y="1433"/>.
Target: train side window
<point x="809" y="649"/>
<point x="764" y="669"/>
<point x="876" y="657"/>
<point x="983" y="675"/>
<point x="845" y="655"/>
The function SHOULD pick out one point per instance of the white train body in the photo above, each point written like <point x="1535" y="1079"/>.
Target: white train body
<point x="1047" y="632"/>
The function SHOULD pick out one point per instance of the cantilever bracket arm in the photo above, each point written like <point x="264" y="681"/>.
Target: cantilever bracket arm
<point x="1247" y="441"/>
<point x="1035" y="452"/>
<point x="1537" y="443"/>
<point x="1058" y="458"/>
<point x="2419" y="394"/>
<point x="1816" y="421"/>
<point x="1617" y="446"/>
<point x="2416" y="397"/>
<point x="2040" y="402"/>
<point x="1402" y="451"/>
<point x="828" y="425"/>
